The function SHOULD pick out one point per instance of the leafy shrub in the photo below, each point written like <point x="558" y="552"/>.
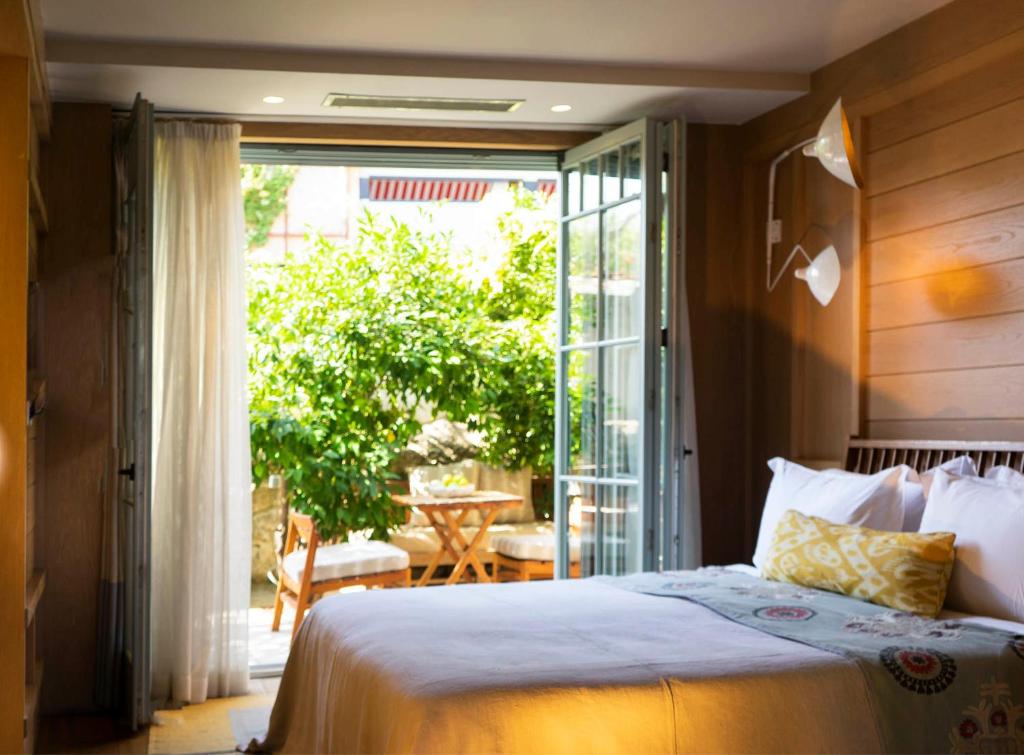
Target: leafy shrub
<point x="351" y="346"/>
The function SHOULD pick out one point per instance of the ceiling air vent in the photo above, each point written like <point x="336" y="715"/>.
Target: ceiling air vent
<point x="456" y="104"/>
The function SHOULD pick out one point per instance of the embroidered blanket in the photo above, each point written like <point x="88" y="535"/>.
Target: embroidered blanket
<point x="937" y="686"/>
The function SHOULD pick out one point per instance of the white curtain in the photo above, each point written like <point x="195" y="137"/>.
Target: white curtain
<point x="201" y="496"/>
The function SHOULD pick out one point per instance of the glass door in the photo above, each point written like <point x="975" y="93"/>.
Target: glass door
<point x="610" y="301"/>
<point x="134" y="383"/>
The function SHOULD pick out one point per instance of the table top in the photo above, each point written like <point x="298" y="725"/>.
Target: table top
<point x="481" y="499"/>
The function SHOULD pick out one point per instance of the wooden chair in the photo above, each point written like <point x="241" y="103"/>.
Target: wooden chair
<point x="520" y="558"/>
<point x="304" y="576"/>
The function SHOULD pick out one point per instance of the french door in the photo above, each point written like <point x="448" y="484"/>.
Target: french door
<point x="134" y="399"/>
<point x="616" y="495"/>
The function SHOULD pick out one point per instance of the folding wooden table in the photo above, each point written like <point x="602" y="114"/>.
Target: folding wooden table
<point x="446" y="516"/>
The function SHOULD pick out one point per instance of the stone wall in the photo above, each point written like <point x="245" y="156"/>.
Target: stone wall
<point x="267" y="512"/>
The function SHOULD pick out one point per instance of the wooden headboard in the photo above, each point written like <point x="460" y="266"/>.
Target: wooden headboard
<point x="870" y="456"/>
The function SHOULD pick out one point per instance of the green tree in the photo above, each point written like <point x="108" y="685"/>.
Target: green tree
<point x="264" y="196"/>
<point x="347" y="342"/>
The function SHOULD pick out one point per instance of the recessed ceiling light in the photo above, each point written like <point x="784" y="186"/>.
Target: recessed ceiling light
<point x="561" y="108"/>
<point x="273" y="99"/>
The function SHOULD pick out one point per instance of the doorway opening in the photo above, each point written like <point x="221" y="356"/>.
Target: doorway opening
<point x="402" y="335"/>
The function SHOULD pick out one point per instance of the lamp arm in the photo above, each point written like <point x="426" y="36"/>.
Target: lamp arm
<point x="773" y="282"/>
<point x="771" y="209"/>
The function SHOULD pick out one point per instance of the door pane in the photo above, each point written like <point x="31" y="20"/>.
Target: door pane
<point x="591" y="184"/>
<point x="622" y="530"/>
<point x="571" y="183"/>
<point x="582" y="284"/>
<point x="620" y="457"/>
<point x="622" y="242"/>
<point x="581" y="505"/>
<point x="610" y="177"/>
<point x="633" y="159"/>
<point x="581" y="396"/>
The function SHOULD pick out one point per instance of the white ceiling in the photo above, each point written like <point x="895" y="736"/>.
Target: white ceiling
<point x="677" y="39"/>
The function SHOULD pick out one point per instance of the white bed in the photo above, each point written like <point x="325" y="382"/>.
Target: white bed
<point x="572" y="666"/>
<point x="569" y="666"/>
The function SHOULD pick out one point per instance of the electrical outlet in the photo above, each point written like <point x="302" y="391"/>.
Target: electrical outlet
<point x="774" y="231"/>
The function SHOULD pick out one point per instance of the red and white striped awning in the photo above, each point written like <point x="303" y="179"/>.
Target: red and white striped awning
<point x="426" y="189"/>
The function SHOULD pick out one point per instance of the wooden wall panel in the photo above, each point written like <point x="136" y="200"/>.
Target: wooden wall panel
<point x="983" y="393"/>
<point x="965" y="143"/>
<point x="720" y="329"/>
<point x="14" y="207"/>
<point x="943" y="429"/>
<point x="948" y="345"/>
<point x="77" y="275"/>
<point x="976" y="240"/>
<point x="981" y="188"/>
<point x="972" y="292"/>
<point x="972" y="89"/>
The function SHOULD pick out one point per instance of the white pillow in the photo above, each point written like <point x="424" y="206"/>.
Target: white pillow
<point x="874" y="501"/>
<point x="1003" y="473"/>
<point x="988" y="519"/>
<point x="915" y="493"/>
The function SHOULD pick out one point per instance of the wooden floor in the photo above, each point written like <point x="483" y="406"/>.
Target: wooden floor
<point x="99" y="734"/>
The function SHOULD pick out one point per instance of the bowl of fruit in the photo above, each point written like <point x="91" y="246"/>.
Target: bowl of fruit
<point x="451" y="486"/>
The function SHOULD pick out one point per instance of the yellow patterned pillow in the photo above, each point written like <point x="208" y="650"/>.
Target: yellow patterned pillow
<point x="908" y="571"/>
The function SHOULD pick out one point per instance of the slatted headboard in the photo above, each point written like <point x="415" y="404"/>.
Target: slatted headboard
<point x="870" y="456"/>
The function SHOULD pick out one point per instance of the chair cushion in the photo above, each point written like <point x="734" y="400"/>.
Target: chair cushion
<point x="355" y="559"/>
<point x="532" y="547"/>
<point x="415" y="539"/>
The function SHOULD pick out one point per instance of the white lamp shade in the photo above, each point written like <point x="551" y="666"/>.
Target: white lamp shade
<point x="834" y="147"/>
<point x="822" y="275"/>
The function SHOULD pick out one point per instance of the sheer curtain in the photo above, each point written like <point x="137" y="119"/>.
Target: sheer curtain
<point x="201" y="495"/>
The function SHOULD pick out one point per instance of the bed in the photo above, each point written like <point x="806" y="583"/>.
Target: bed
<point x="628" y="666"/>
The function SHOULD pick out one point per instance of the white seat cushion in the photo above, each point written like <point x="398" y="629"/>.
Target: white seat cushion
<point x="414" y="539"/>
<point x="533" y="547"/>
<point x="347" y="560"/>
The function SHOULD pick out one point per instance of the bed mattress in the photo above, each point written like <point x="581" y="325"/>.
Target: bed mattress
<point x="566" y="666"/>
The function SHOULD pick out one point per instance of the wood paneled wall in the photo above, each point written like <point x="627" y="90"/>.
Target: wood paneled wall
<point x="77" y="310"/>
<point x="925" y="338"/>
<point x="14" y="208"/>
<point x="944" y="257"/>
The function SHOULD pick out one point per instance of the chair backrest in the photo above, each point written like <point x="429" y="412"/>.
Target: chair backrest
<point x="302" y="526"/>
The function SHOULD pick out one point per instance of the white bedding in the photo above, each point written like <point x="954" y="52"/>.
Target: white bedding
<point x="567" y="666"/>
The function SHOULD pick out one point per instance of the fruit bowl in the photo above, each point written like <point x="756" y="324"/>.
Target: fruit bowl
<point x="438" y="489"/>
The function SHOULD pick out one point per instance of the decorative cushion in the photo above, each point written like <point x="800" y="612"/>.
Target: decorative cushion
<point x="354" y="559"/>
<point x="917" y="488"/>
<point x="988" y="519"/>
<point x="538" y="547"/>
<point x="908" y="571"/>
<point x="874" y="501"/>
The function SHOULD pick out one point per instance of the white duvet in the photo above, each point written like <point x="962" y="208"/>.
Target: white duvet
<point x="560" y="667"/>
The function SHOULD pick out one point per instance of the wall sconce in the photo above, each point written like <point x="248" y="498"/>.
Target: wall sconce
<point x="833" y="147"/>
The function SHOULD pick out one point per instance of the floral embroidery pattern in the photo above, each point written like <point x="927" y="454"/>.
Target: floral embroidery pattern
<point x="785" y="613"/>
<point x="1017" y="646"/>
<point x="921" y="670"/>
<point x="903" y="624"/>
<point x="774" y="591"/>
<point x="692" y="584"/>
<point x="995" y="724"/>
